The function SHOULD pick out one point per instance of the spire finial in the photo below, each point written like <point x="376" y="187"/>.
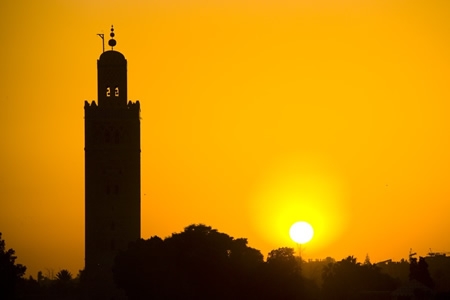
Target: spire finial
<point x="112" y="41"/>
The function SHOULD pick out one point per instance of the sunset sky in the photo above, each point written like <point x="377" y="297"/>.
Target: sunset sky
<point x="255" y="115"/>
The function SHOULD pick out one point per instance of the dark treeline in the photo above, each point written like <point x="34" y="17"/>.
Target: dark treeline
<point x="202" y="263"/>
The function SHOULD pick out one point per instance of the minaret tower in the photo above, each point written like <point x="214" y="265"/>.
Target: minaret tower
<point x="112" y="170"/>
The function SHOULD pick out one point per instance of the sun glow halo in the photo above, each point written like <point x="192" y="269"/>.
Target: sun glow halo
<point x="301" y="232"/>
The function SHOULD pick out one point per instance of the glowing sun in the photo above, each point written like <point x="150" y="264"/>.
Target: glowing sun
<point x="301" y="232"/>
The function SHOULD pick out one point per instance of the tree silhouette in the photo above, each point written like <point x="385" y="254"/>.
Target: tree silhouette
<point x="144" y="270"/>
<point x="202" y="263"/>
<point x="10" y="272"/>
<point x="63" y="285"/>
<point x="283" y="278"/>
<point x="64" y="275"/>
<point x="347" y="278"/>
<point x="198" y="263"/>
<point x="419" y="271"/>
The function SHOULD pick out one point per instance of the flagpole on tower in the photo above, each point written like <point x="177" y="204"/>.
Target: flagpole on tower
<point x="102" y="36"/>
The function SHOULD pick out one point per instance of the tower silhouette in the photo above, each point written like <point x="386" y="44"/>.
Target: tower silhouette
<point x="112" y="172"/>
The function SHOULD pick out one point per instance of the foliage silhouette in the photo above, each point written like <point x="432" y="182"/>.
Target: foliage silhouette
<point x="419" y="271"/>
<point x="283" y="277"/>
<point x="202" y="263"/>
<point x="348" y="278"/>
<point x="62" y="287"/>
<point x="64" y="275"/>
<point x="199" y="262"/>
<point x="10" y="272"/>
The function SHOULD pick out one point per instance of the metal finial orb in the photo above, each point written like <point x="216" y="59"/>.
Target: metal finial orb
<point x="112" y="42"/>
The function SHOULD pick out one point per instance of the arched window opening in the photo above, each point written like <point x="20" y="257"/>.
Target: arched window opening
<point x="108" y="91"/>
<point x="116" y="91"/>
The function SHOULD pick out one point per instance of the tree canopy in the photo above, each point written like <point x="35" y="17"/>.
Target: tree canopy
<point x="10" y="272"/>
<point x="202" y="263"/>
<point x="347" y="278"/>
<point x="418" y="270"/>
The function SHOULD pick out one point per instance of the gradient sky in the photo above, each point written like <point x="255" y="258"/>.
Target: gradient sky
<point x="255" y="114"/>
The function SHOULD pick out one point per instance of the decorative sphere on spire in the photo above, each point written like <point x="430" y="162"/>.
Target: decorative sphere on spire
<point x="112" y="42"/>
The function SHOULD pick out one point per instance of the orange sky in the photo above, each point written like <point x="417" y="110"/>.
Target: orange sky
<point x="255" y="114"/>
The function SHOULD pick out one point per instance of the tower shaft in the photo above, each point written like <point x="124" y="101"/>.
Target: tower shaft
<point x="112" y="171"/>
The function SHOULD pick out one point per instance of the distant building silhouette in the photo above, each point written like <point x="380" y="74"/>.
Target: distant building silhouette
<point x="112" y="172"/>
